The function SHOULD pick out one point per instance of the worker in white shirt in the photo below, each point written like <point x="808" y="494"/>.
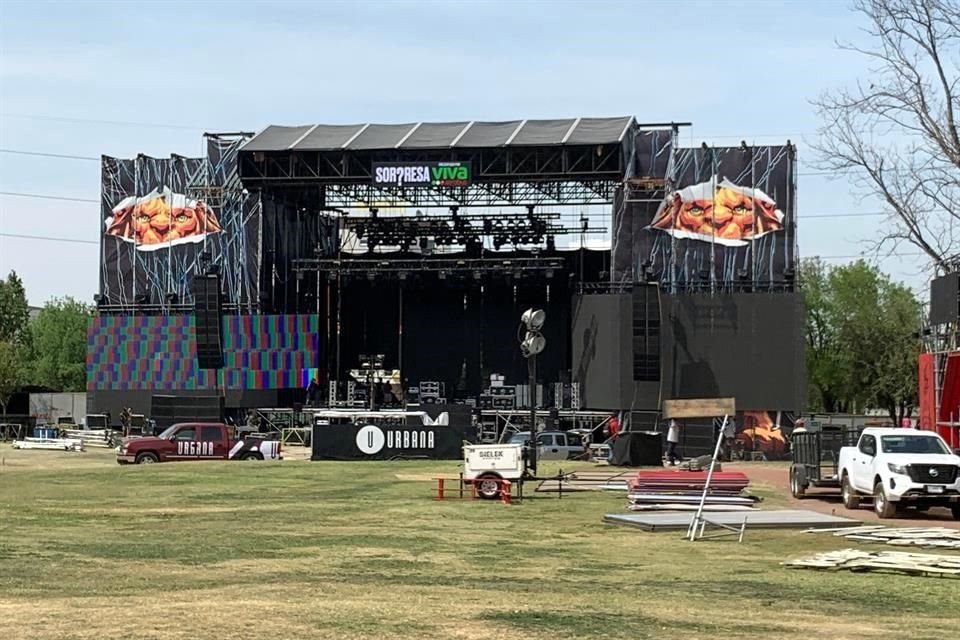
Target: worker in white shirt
<point x="729" y="438"/>
<point x="673" y="439"/>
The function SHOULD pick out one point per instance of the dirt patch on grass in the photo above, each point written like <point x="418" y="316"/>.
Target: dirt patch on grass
<point x="775" y="478"/>
<point x="18" y="460"/>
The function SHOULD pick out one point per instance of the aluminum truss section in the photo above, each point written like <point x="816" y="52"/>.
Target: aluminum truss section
<point x="399" y="268"/>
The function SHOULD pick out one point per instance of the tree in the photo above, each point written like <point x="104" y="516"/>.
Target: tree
<point x="861" y="339"/>
<point x="60" y="343"/>
<point x="896" y="134"/>
<point x="14" y="310"/>
<point x="824" y="366"/>
<point x="11" y="372"/>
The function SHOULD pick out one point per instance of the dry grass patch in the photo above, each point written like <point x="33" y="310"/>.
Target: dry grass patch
<point x="338" y="550"/>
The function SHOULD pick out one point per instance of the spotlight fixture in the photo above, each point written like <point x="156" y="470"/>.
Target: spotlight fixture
<point x="532" y="344"/>
<point x="533" y="319"/>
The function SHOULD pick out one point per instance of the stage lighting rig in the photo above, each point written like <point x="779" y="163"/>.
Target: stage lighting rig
<point x="532" y="344"/>
<point x="527" y="228"/>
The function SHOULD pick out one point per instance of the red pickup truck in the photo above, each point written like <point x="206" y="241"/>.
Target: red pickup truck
<point x="196" y="441"/>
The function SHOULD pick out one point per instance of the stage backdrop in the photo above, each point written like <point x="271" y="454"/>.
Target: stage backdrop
<point x="158" y="215"/>
<point x="127" y="353"/>
<point x="728" y="218"/>
<point x="746" y="345"/>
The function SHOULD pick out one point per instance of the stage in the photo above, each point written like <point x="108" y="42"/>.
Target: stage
<point x="391" y="263"/>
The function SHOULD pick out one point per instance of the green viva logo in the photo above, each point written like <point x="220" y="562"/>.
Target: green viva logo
<point x="450" y="173"/>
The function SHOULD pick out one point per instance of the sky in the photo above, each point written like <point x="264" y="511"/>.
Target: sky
<point x="122" y="78"/>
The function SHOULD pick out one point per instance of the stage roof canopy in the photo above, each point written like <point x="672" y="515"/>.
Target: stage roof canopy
<point x="442" y="135"/>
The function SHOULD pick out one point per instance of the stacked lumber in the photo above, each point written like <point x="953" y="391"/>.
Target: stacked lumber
<point x="923" y="537"/>
<point x="722" y="482"/>
<point x="90" y="437"/>
<point x="50" y="444"/>
<point x="887" y="561"/>
<point x="651" y="490"/>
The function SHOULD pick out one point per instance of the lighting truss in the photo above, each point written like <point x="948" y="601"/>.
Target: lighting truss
<point x="465" y="267"/>
<point x="456" y="229"/>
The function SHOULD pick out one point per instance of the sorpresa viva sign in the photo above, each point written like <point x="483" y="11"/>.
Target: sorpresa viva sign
<point x="421" y="174"/>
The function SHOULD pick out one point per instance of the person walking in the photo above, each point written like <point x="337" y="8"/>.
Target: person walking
<point x="673" y="439"/>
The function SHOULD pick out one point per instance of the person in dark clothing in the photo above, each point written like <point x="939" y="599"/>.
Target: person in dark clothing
<point x="313" y="393"/>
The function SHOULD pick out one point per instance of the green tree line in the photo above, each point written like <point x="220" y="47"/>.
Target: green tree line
<point x="862" y="339"/>
<point x="48" y="350"/>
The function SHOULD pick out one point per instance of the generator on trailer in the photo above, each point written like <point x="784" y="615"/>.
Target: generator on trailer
<point x="486" y="466"/>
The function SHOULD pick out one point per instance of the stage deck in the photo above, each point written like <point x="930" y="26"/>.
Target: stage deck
<point x="784" y="519"/>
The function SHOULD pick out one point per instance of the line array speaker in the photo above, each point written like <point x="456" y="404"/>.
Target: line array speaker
<point x="646" y="333"/>
<point x="208" y="311"/>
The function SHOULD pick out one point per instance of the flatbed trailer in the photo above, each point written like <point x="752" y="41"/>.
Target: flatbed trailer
<point x="816" y="452"/>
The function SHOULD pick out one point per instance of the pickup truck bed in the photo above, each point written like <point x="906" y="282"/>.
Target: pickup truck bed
<point x="196" y="441"/>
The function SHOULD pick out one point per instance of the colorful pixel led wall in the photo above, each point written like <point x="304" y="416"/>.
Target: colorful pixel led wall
<point x="159" y="353"/>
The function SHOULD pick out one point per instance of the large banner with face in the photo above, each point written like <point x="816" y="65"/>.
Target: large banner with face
<point x="161" y="218"/>
<point x="728" y="217"/>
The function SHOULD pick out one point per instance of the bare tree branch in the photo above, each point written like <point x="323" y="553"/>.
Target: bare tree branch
<point x="896" y="134"/>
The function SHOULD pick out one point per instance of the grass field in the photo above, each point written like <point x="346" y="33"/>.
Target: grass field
<point x="345" y="550"/>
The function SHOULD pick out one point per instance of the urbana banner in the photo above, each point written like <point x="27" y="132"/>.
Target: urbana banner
<point x="385" y="442"/>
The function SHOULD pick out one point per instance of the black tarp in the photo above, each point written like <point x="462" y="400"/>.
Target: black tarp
<point x="638" y="449"/>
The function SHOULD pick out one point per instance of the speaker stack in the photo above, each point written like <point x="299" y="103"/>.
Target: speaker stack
<point x="646" y="333"/>
<point x="208" y="311"/>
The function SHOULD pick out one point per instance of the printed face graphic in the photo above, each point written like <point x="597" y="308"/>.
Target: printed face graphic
<point x="161" y="219"/>
<point x="724" y="213"/>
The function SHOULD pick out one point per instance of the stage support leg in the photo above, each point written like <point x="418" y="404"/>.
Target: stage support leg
<point x="532" y="370"/>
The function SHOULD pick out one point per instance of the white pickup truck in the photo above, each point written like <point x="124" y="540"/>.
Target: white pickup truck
<point x="900" y="468"/>
<point x="552" y="445"/>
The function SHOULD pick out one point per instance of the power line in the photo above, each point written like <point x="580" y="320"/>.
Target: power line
<point x="805" y="216"/>
<point x="97" y="242"/>
<point x="44" y="196"/>
<point x="48" y="238"/>
<point x="49" y="155"/>
<point x="66" y="156"/>
<point x="122" y="123"/>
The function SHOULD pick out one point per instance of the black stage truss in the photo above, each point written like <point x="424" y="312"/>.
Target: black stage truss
<point x="501" y="177"/>
<point x="401" y="268"/>
<point x="562" y="162"/>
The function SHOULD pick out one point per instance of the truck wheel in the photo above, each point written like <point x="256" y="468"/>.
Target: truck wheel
<point x="252" y="455"/>
<point x="881" y="505"/>
<point x="488" y="486"/>
<point x="955" y="510"/>
<point x="147" y="458"/>
<point x="798" y="487"/>
<point x="850" y="498"/>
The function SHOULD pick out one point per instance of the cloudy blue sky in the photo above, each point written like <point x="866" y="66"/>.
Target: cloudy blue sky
<point x="121" y="78"/>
